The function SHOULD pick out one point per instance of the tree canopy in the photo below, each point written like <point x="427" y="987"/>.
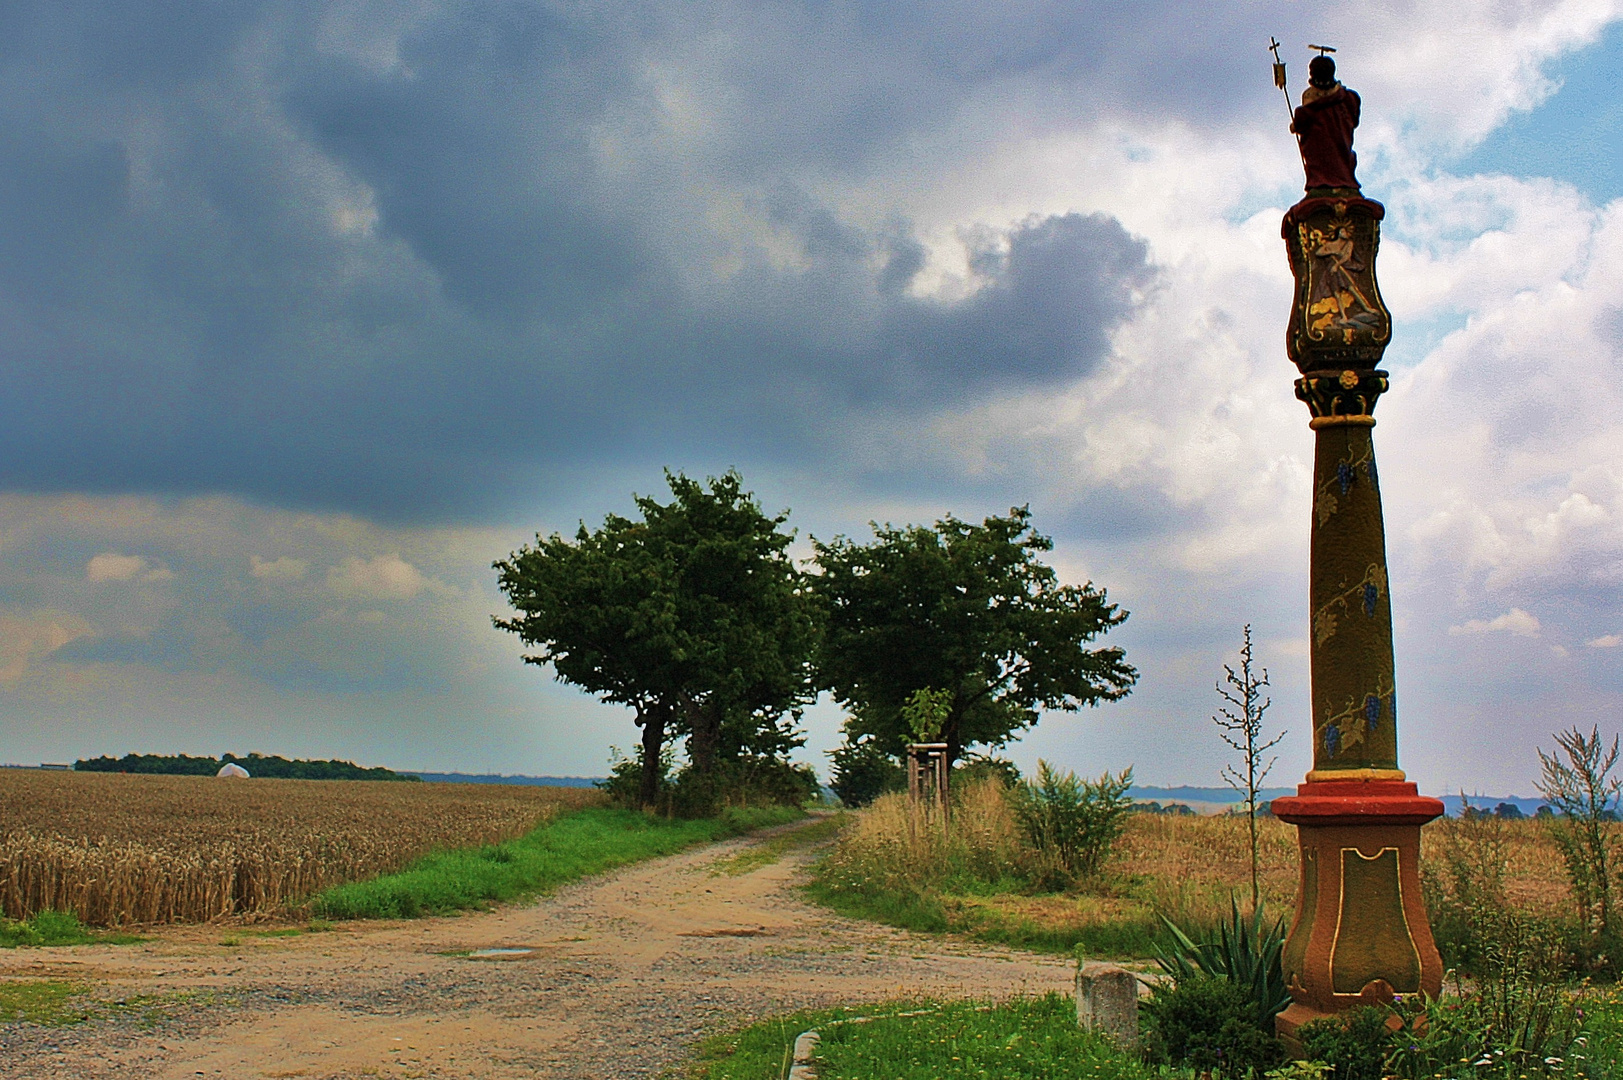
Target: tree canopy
<point x="695" y="616"/>
<point x="970" y="613"/>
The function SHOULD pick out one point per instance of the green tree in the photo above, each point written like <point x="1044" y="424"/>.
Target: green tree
<point x="965" y="611"/>
<point x="694" y="616"/>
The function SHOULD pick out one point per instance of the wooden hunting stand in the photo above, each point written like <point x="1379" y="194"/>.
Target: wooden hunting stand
<point x="927" y="768"/>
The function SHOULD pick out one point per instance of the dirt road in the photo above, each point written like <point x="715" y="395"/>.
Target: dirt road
<point x="623" y="974"/>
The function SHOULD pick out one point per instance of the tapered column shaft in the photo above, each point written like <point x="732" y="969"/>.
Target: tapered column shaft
<point x="1354" y="686"/>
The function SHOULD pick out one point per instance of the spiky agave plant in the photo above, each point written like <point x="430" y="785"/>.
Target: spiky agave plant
<point x="1245" y="951"/>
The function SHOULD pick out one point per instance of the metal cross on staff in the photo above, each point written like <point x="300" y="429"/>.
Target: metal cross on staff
<point x="1279" y="81"/>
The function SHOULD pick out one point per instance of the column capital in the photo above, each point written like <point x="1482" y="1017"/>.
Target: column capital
<point x="1346" y="396"/>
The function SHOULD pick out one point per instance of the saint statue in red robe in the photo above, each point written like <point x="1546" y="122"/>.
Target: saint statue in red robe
<point x="1324" y="125"/>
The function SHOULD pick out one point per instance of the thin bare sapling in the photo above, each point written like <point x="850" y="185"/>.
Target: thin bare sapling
<point x="1239" y="721"/>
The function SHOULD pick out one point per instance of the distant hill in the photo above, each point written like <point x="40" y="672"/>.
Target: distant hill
<point x="497" y="778"/>
<point x="1490" y="803"/>
<point x="1195" y="795"/>
<point x="1187" y="794"/>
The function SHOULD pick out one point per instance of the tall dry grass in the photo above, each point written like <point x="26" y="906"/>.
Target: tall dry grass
<point x="1517" y="859"/>
<point x="893" y="845"/>
<point x="118" y="849"/>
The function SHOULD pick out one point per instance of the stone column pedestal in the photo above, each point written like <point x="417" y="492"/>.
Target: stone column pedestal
<point x="1361" y="934"/>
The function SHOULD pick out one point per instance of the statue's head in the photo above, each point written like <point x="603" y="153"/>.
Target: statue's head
<point x="1321" y="72"/>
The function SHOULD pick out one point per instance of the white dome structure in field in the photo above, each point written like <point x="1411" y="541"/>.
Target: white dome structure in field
<point x="232" y="769"/>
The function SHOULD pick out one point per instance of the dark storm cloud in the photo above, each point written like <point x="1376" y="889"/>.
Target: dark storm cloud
<point x="349" y="255"/>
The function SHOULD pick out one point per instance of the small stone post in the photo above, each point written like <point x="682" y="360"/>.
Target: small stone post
<point x="1107" y="1001"/>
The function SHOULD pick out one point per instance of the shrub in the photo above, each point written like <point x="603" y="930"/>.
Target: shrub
<point x="862" y="772"/>
<point x="1245" y="952"/>
<point x="1071" y="823"/>
<point x="1210" y="1025"/>
<point x="45" y="928"/>
<point x="747" y="780"/>
<point x="1518" y="1017"/>
<point x="623" y="785"/>
<point x="1468" y="877"/>
<point x="1578" y="782"/>
<point x="979" y="768"/>
<point x="1354" y="1045"/>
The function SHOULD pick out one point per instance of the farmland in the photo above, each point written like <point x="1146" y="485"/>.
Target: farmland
<point x="119" y="849"/>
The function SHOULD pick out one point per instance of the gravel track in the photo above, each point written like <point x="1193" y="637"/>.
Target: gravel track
<point x="626" y="972"/>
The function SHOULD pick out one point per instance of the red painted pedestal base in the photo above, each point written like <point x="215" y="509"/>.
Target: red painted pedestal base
<point x="1361" y="934"/>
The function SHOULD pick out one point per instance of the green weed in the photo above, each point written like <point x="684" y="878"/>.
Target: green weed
<point x="60" y="1003"/>
<point x="47" y="1002"/>
<point x="55" y="928"/>
<point x="1016" y="1040"/>
<point x="555" y="853"/>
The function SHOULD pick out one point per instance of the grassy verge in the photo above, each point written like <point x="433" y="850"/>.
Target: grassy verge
<point x="1051" y="923"/>
<point x="1017" y="1040"/>
<point x="560" y="851"/>
<point x="1603" y="1030"/>
<point x="55" y="928"/>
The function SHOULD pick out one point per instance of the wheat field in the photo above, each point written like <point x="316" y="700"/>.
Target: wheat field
<point x="119" y="849"/>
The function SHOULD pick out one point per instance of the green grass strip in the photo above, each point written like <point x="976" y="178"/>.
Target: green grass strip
<point x="563" y="850"/>
<point x="56" y="928"/>
<point x="1024" y="1039"/>
<point x="932" y="912"/>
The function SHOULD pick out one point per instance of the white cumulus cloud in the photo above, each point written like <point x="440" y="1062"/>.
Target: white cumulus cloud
<point x="385" y="576"/>
<point x="1607" y="641"/>
<point x="1515" y="621"/>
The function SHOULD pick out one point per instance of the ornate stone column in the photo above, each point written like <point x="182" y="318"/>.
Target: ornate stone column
<point x="1360" y="934"/>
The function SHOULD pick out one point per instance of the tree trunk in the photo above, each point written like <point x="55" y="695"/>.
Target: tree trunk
<point x="653" y="745"/>
<point x="704" y="735"/>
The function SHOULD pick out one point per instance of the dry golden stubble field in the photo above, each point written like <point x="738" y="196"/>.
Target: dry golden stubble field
<point x="119" y="849"/>
<point x="1192" y="864"/>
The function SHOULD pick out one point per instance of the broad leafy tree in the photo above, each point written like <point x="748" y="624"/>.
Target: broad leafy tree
<point x="694" y="616"/>
<point x="969" y="612"/>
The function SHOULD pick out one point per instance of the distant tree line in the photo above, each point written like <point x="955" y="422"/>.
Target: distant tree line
<point x="694" y="615"/>
<point x="269" y="767"/>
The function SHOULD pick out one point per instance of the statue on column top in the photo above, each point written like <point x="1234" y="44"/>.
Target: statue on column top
<point x="1324" y="125"/>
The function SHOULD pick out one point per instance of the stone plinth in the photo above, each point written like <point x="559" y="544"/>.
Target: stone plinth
<point x="1107" y="1001"/>
<point x="1361" y="934"/>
